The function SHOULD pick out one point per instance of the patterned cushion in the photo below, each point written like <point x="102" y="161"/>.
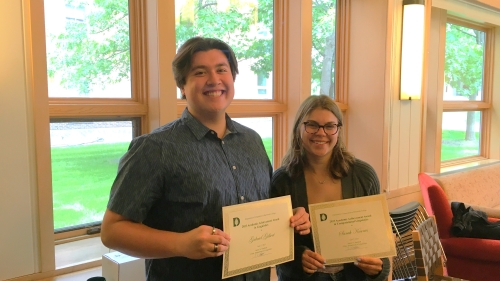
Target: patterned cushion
<point x="476" y="186"/>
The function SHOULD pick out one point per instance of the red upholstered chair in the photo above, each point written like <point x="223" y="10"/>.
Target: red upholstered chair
<point x="468" y="258"/>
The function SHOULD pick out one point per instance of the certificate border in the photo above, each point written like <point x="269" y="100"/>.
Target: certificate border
<point x="234" y="208"/>
<point x="385" y="209"/>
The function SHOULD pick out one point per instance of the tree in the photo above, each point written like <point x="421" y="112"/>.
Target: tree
<point x="242" y="25"/>
<point x="464" y="66"/>
<point x="95" y="51"/>
<point x="323" y="46"/>
<point x="92" y="52"/>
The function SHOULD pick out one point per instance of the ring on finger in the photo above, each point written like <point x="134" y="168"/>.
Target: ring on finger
<point x="213" y="230"/>
<point x="216" y="248"/>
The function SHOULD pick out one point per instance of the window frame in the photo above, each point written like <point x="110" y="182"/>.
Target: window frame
<point x="109" y="108"/>
<point x="152" y="50"/>
<point x="485" y="105"/>
<point x="435" y="105"/>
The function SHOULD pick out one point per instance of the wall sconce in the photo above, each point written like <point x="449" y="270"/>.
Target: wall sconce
<point x="412" y="49"/>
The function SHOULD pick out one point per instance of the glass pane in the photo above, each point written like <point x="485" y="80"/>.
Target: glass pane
<point x="461" y="134"/>
<point x="85" y="159"/>
<point x="88" y="48"/>
<point x="323" y="47"/>
<point x="246" y="25"/>
<point x="464" y="63"/>
<point x="264" y="127"/>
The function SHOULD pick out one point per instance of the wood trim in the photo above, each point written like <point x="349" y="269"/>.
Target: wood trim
<point x="431" y="161"/>
<point x="492" y="3"/>
<point x="342" y="45"/>
<point x="465" y="105"/>
<point x="488" y="74"/>
<point x="468" y="23"/>
<point x="439" y="93"/>
<point x="461" y="161"/>
<point x="399" y="197"/>
<point x="425" y="82"/>
<point x="243" y="108"/>
<point x="280" y="85"/>
<point x="402" y="191"/>
<point x="342" y="52"/>
<point x="97" y="110"/>
<point x="57" y="272"/>
<point x="280" y="51"/>
<point x="37" y="89"/>
<point x="138" y="51"/>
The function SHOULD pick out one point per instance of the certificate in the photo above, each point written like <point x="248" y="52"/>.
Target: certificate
<point x="261" y="235"/>
<point x="346" y="229"/>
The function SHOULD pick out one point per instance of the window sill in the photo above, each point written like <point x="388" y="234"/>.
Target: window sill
<point x="468" y="165"/>
<point x="79" y="252"/>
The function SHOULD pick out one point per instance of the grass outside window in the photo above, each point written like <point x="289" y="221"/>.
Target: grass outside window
<point x="82" y="179"/>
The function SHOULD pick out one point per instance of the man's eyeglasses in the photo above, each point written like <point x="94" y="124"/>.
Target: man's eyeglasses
<point x="313" y="128"/>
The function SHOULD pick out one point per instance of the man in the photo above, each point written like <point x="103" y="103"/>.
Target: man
<point x="166" y="201"/>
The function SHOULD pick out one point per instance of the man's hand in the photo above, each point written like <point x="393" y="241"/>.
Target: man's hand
<point x="312" y="261"/>
<point x="300" y="221"/>
<point x="203" y="242"/>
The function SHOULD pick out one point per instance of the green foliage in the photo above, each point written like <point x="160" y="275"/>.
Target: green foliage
<point x="94" y="52"/>
<point x="243" y="28"/>
<point x="464" y="59"/>
<point x="323" y="42"/>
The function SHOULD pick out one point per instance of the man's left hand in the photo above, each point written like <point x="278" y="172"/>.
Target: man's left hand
<point x="300" y="221"/>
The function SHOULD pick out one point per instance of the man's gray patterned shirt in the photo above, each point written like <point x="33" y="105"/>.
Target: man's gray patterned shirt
<point x="180" y="176"/>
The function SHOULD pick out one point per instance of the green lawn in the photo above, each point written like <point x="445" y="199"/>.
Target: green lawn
<point x="81" y="181"/>
<point x="83" y="175"/>
<point x="268" y="145"/>
<point x="454" y="145"/>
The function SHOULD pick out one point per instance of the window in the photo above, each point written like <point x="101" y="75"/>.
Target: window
<point x="323" y="47"/>
<point x="101" y="78"/>
<point x="94" y="112"/>
<point x="85" y="156"/>
<point x="252" y="38"/>
<point x="465" y="95"/>
<point x="249" y="31"/>
<point x="261" y="84"/>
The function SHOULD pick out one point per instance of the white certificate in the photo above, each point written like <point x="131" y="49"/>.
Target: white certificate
<point x="346" y="229"/>
<point x="261" y="235"/>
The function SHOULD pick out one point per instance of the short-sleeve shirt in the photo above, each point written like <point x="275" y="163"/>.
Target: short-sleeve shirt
<point x="180" y="176"/>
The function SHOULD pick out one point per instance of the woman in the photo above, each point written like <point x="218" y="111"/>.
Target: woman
<point x="317" y="168"/>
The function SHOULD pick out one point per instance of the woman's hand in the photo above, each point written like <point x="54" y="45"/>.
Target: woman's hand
<point x="300" y="221"/>
<point x="312" y="261"/>
<point x="369" y="265"/>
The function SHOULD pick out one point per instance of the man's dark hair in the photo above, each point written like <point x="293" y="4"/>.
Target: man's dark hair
<point x="182" y="60"/>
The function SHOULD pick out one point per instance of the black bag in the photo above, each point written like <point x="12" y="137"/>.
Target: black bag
<point x="468" y="222"/>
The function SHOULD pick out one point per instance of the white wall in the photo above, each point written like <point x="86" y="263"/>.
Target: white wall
<point x="17" y="239"/>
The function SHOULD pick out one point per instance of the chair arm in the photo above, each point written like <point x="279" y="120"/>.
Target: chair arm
<point x="472" y="248"/>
